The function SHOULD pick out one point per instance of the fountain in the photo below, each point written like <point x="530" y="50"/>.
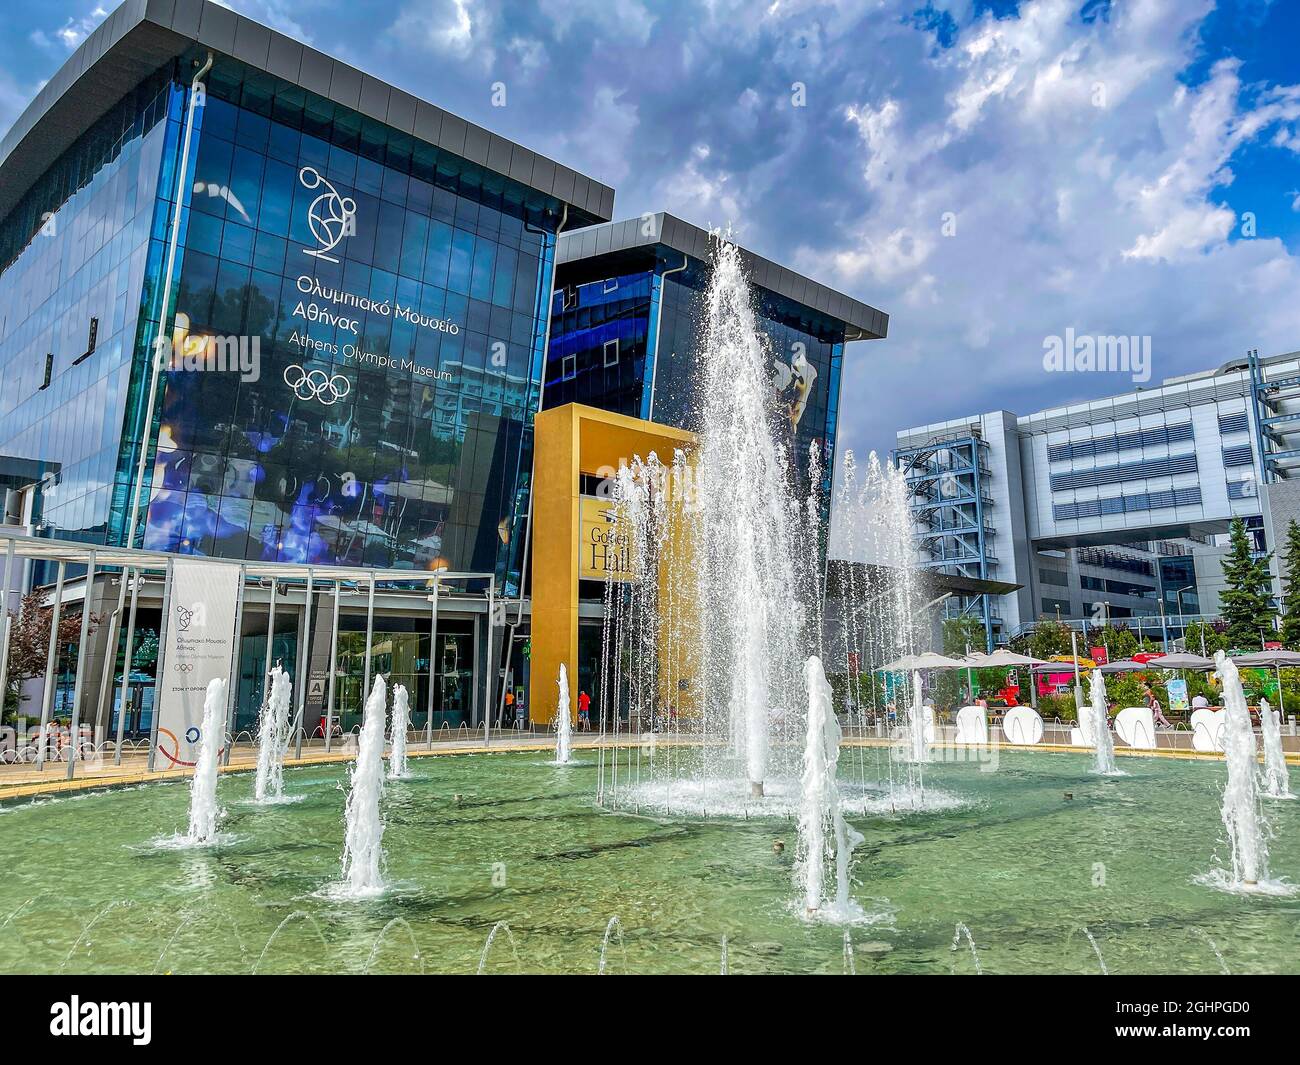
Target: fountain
<point x="1099" y="711"/>
<point x="401" y="722"/>
<point x="1277" y="783"/>
<point x="204" y="813"/>
<point x="1241" y="813"/>
<point x="708" y="626"/>
<point x="745" y="535"/>
<point x="273" y="739"/>
<point x="822" y="828"/>
<point x="563" y="722"/>
<point x="362" y="850"/>
<point x="918" y="750"/>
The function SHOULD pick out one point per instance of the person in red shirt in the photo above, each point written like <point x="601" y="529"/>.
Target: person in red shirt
<point x="584" y="711"/>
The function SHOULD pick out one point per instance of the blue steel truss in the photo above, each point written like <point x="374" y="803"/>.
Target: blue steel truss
<point x="1275" y="406"/>
<point x="948" y="496"/>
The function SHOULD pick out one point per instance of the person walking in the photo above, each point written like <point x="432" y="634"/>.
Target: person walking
<point x="1157" y="715"/>
<point x="584" y="711"/>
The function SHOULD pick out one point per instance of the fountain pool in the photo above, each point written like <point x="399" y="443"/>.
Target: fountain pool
<point x="477" y="840"/>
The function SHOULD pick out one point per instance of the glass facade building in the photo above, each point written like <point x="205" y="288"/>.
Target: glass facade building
<point x="80" y="254"/>
<point x="357" y="314"/>
<point x="425" y="323"/>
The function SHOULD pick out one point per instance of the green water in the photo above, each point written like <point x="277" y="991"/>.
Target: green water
<point x="1019" y="864"/>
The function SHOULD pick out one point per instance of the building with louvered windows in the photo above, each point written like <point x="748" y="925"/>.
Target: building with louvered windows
<point x="1112" y="510"/>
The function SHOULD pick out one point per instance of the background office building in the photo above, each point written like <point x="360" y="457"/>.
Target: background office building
<point x="1113" y="509"/>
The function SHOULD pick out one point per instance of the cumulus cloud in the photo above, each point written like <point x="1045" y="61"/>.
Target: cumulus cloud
<point x="73" y="31"/>
<point x="1089" y="186"/>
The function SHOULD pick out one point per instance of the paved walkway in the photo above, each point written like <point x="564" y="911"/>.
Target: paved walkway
<point x="24" y="780"/>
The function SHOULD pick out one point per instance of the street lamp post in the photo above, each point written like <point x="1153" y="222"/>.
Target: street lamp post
<point x="1182" y="627"/>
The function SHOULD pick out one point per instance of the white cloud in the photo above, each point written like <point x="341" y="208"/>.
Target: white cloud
<point x="70" y="34"/>
<point x="452" y="29"/>
<point x="1091" y="187"/>
<point x="602" y="135"/>
<point x="629" y="18"/>
<point x="274" y="13"/>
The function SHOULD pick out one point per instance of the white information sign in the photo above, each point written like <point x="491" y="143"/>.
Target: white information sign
<point x="200" y="642"/>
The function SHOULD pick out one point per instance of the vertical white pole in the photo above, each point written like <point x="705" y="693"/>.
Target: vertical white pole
<point x="4" y="612"/>
<point x="370" y="631"/>
<point x="334" y="667"/>
<point x="51" y="660"/>
<point x="304" y="650"/>
<point x="79" y="681"/>
<point x="270" y="643"/>
<point x="433" y="661"/>
<point x="236" y="645"/>
<point x="488" y="660"/>
<point x="160" y="668"/>
<point x="136" y="577"/>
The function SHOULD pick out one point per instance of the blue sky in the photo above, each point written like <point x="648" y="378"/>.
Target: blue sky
<point x="990" y="173"/>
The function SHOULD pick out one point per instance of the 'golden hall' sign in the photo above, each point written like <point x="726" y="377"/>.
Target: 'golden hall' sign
<point x="604" y="549"/>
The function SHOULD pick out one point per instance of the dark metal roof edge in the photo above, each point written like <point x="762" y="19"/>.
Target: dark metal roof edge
<point x="140" y="36"/>
<point x="688" y="239"/>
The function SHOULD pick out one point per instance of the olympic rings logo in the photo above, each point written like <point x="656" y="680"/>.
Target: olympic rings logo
<point x="316" y="384"/>
<point x="184" y="667"/>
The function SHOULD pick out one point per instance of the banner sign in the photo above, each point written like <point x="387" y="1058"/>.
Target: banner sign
<point x="1177" y="690"/>
<point x="200" y="643"/>
<point x="604" y="550"/>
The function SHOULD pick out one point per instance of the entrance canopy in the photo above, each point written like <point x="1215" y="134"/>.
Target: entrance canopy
<point x="40" y="549"/>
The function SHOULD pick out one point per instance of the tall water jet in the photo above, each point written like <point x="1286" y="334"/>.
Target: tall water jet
<point x="1240" y="812"/>
<point x="204" y="813"/>
<point x="716" y="600"/>
<point x="563" y="722"/>
<point x="1277" y="782"/>
<point x="362" y="847"/>
<point x="750" y="614"/>
<point x="273" y="738"/>
<point x="401" y="722"/>
<point x="1098" y="710"/>
<point x="823" y="832"/>
<point x="918" y="750"/>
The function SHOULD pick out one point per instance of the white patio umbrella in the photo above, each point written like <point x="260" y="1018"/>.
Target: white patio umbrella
<point x="1002" y="658"/>
<point x="1123" y="665"/>
<point x="1182" y="660"/>
<point x="1274" y="659"/>
<point x="926" y="660"/>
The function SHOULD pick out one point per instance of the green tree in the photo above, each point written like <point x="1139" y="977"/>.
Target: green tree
<point x="144" y="655"/>
<point x="1048" y="637"/>
<point x="1200" y="635"/>
<point x="29" y="645"/>
<point x="1291" y="596"/>
<point x="1246" y="598"/>
<point x="962" y="634"/>
<point x="1119" y="640"/>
